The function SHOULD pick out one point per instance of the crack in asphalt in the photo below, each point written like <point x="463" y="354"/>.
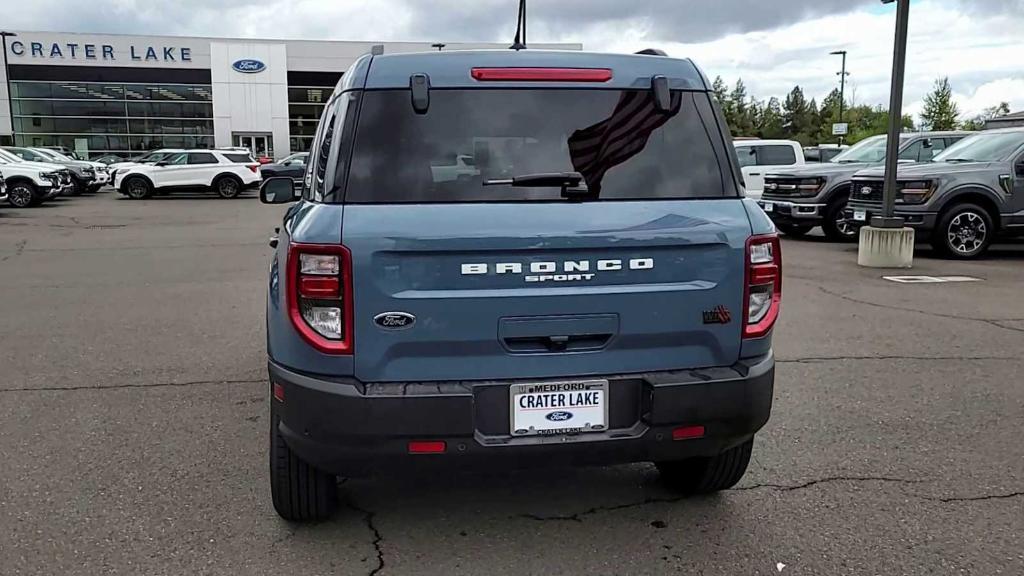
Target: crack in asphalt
<point x="977" y="498"/>
<point x="578" y="516"/>
<point x="378" y="538"/>
<point x="124" y="386"/>
<point x="818" y="359"/>
<point x="19" y="247"/>
<point x="990" y="322"/>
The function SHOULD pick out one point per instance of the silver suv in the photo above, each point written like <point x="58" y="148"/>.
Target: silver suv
<point x="969" y="195"/>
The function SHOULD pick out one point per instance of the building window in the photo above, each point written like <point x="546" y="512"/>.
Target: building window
<point x="126" y="119"/>
<point x="305" y="106"/>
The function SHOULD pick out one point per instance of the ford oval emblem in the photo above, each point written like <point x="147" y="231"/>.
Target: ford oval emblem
<point x="249" y="66"/>
<point x="866" y="191"/>
<point x="394" y="320"/>
<point x="559" y="416"/>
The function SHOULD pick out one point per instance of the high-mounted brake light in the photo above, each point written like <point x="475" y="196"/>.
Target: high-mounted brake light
<point x="542" y="74"/>
<point x="319" y="295"/>
<point x="762" y="296"/>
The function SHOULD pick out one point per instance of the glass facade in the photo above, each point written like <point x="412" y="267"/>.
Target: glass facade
<point x="95" y="118"/>
<point x="305" y="105"/>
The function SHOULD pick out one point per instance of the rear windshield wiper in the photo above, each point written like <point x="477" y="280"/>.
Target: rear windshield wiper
<point x="569" y="182"/>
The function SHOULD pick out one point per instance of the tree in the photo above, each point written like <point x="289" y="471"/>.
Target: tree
<point x="741" y="122"/>
<point x="940" y="112"/>
<point x="771" y="120"/>
<point x="978" y="122"/>
<point x="797" y="119"/>
<point x="718" y="90"/>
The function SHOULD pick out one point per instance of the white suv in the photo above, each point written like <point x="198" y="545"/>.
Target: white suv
<point x="30" y="183"/>
<point x="226" y="173"/>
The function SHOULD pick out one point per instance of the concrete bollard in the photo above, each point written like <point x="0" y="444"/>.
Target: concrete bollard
<point x="886" y="247"/>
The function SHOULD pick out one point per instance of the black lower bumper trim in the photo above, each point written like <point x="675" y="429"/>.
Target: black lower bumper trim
<point x="346" y="427"/>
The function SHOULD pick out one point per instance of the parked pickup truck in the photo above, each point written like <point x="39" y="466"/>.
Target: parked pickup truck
<point x="970" y="195"/>
<point x="597" y="291"/>
<point x="31" y="183"/>
<point x="800" y="198"/>
<point x="760" y="157"/>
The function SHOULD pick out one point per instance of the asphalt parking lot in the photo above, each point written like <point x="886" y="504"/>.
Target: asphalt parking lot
<point x="134" y="433"/>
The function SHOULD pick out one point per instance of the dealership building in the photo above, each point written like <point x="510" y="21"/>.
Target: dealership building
<point x="103" y="94"/>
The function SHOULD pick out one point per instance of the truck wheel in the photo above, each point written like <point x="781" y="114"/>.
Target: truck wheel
<point x="22" y="195"/>
<point x="964" y="231"/>
<point x="835" y="226"/>
<point x="794" y="230"/>
<point x="300" y="492"/>
<point x="138" y="188"/>
<point x="227" y="187"/>
<point x="705" y="475"/>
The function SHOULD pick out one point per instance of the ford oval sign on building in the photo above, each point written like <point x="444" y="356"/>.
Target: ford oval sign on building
<point x="249" y="66"/>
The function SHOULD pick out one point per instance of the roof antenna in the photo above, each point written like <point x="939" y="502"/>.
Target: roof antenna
<point x="520" y="41"/>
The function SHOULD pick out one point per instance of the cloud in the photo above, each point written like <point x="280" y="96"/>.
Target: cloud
<point x="771" y="44"/>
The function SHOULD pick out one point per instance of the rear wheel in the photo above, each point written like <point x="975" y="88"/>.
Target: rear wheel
<point x="77" y="187"/>
<point x="138" y="188"/>
<point x="793" y="229"/>
<point x="22" y="194"/>
<point x="227" y="187"/>
<point x="705" y="475"/>
<point x="964" y="231"/>
<point x="300" y="492"/>
<point x="835" y="226"/>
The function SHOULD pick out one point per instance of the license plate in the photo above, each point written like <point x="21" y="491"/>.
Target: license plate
<point x="768" y="207"/>
<point x="860" y="215"/>
<point x="559" y="407"/>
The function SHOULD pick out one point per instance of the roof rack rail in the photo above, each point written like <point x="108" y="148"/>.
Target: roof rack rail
<point x="652" y="52"/>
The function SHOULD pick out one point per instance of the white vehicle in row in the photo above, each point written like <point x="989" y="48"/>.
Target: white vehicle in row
<point x="759" y="157"/>
<point x="31" y="183"/>
<point x="151" y="157"/>
<point x="100" y="172"/>
<point x="224" y="172"/>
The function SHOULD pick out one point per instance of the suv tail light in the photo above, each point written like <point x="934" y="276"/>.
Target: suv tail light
<point x="254" y="167"/>
<point x="320" y="295"/>
<point x="763" y="291"/>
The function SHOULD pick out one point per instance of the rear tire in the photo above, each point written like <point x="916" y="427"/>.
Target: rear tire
<point x="227" y="187"/>
<point x="794" y="230"/>
<point x="964" y="231"/>
<point x="835" y="226"/>
<point x="137" y="188"/>
<point x="300" y="492"/>
<point x="22" y="195"/>
<point x="76" y="187"/>
<point x="706" y="475"/>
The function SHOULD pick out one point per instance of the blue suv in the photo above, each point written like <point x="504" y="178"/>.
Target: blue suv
<point x="518" y="259"/>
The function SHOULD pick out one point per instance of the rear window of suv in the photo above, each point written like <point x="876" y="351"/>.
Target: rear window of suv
<point x="622" y="146"/>
<point x="239" y="158"/>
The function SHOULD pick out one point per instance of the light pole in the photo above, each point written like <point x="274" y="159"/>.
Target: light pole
<point x="7" y="76"/>
<point x="842" y="87"/>
<point x="892" y="150"/>
<point x="440" y="46"/>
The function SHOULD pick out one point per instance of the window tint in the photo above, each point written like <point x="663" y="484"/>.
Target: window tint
<point x="202" y="158"/>
<point x="177" y="160"/>
<point x="747" y="156"/>
<point x="239" y="158"/>
<point x="623" y="147"/>
<point x="775" y="155"/>
<point x="912" y="152"/>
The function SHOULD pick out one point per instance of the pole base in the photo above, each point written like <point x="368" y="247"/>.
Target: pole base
<point x="886" y="247"/>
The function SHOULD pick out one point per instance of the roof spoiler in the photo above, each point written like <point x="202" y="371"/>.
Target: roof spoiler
<point x="652" y="52"/>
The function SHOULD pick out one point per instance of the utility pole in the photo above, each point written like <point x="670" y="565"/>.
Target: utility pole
<point x="842" y="87"/>
<point x="892" y="151"/>
<point x="7" y="76"/>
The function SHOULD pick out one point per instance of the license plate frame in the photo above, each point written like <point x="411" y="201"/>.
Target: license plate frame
<point x="860" y="215"/>
<point x="768" y="207"/>
<point x="541" y="419"/>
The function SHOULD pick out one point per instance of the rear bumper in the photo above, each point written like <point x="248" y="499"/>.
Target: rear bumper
<point x="350" y="428"/>
<point x="793" y="213"/>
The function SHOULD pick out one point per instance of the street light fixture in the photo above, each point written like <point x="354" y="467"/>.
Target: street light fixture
<point x="7" y="77"/>
<point x="842" y="86"/>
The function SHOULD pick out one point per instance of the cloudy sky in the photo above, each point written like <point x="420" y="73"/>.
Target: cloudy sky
<point x="771" y="44"/>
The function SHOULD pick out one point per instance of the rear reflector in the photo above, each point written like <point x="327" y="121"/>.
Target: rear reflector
<point x="319" y="287"/>
<point x="427" y="447"/>
<point x="278" y="392"/>
<point x="542" y="74"/>
<point x="688" y="432"/>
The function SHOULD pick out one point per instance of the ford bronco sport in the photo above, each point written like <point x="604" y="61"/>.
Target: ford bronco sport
<point x="596" y="291"/>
